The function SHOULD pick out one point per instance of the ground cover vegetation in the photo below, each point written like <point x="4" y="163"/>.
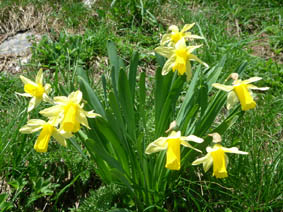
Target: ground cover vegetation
<point x="83" y="48"/>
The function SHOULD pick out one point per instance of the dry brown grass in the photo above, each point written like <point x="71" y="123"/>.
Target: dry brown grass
<point x="14" y="19"/>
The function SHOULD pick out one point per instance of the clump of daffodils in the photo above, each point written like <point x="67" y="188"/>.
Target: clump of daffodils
<point x="240" y="91"/>
<point x="64" y="118"/>
<point x="174" y="48"/>
<point x="217" y="158"/>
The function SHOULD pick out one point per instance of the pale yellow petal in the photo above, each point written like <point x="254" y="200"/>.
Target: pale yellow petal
<point x="253" y="87"/>
<point x="206" y="161"/>
<point x="157" y="145"/>
<point x="39" y="77"/>
<point x="46" y="98"/>
<point x="234" y="150"/>
<point x="32" y="104"/>
<point x="186" y="144"/>
<point x="65" y="134"/>
<point x="195" y="58"/>
<point x="174" y="28"/>
<point x="226" y="88"/>
<point x="59" y="138"/>
<point x="168" y="65"/>
<point x="37" y="101"/>
<point x="27" y="81"/>
<point x="32" y="126"/>
<point x="47" y="88"/>
<point x="52" y="111"/>
<point x="76" y="97"/>
<point x="174" y="135"/>
<point x="24" y="94"/>
<point x="181" y="44"/>
<point x="232" y="100"/>
<point x="61" y="100"/>
<point x="164" y="51"/>
<point x="210" y="149"/>
<point x="192" y="138"/>
<point x="190" y="36"/>
<point x="91" y="114"/>
<point x="192" y="48"/>
<point x="82" y="118"/>
<point x="165" y="39"/>
<point x="252" y="79"/>
<point x="187" y="27"/>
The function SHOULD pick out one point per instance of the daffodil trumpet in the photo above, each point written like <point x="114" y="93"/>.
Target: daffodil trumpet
<point x="179" y="58"/>
<point x="240" y="91"/>
<point x="35" y="90"/>
<point x="172" y="146"/>
<point x="69" y="112"/>
<point x="48" y="130"/>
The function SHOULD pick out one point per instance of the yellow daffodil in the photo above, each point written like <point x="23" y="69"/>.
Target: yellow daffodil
<point x="48" y="129"/>
<point x="172" y="145"/>
<point x="179" y="58"/>
<point x="216" y="156"/>
<point x="172" y="38"/>
<point x="35" y="90"/>
<point x="69" y="112"/>
<point x="240" y="91"/>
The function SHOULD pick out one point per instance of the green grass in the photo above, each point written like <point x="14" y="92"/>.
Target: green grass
<point x="63" y="177"/>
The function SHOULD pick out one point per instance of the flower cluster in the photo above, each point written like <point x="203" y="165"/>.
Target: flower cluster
<point x="64" y="118"/>
<point x="173" y="46"/>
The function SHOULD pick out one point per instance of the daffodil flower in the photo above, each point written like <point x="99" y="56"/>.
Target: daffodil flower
<point x="172" y="145"/>
<point x="48" y="129"/>
<point x="175" y="35"/>
<point x="240" y="91"/>
<point x="179" y="58"/>
<point x="216" y="156"/>
<point x="69" y="112"/>
<point x="35" y="90"/>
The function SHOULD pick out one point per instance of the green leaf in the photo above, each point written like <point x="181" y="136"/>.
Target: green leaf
<point x="116" y="64"/>
<point x="187" y="103"/>
<point x="168" y="105"/>
<point x="214" y="73"/>
<point x="90" y="96"/>
<point x="127" y="104"/>
<point x="142" y="96"/>
<point x="133" y="72"/>
<point x="99" y="150"/>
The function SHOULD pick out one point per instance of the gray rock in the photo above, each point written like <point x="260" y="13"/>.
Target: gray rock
<point x="17" y="45"/>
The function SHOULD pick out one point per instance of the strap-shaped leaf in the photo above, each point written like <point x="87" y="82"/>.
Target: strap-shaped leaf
<point x="142" y="95"/>
<point x="133" y="73"/>
<point x="168" y="106"/>
<point x="214" y="73"/>
<point x="187" y="103"/>
<point x="127" y="105"/>
<point x="89" y="95"/>
<point x="99" y="150"/>
<point x="118" y="147"/>
<point x="116" y="64"/>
